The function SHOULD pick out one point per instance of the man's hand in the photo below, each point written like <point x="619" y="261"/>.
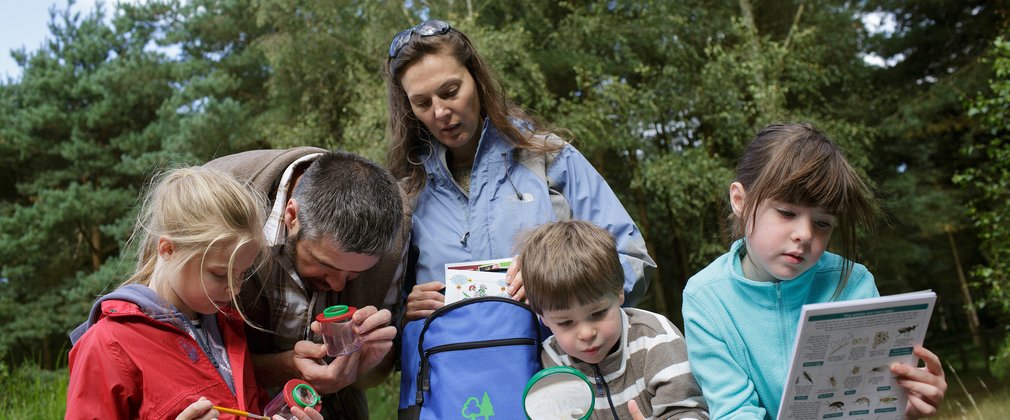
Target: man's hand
<point x="376" y="336"/>
<point x="325" y="378"/>
<point x="302" y="414"/>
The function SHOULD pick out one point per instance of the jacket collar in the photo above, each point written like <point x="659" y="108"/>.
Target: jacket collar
<point x="491" y="143"/>
<point x="768" y="294"/>
<point x="140" y="300"/>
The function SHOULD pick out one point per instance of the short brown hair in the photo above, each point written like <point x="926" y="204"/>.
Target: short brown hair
<point x="567" y="263"/>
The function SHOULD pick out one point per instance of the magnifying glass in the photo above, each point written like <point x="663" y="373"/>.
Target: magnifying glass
<point x="558" y="393"/>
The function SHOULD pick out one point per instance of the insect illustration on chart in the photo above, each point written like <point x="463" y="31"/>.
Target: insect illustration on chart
<point x="805" y="376"/>
<point x="888" y="399"/>
<point x="862" y="400"/>
<point x="840" y="344"/>
<point x="906" y="331"/>
<point x="837" y="405"/>
<point x="880" y="338"/>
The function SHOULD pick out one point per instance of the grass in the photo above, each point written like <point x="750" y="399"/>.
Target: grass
<point x="974" y="398"/>
<point x="36" y="393"/>
<point x="30" y="392"/>
<point x="994" y="406"/>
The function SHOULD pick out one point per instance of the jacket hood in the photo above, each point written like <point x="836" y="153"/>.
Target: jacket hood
<point x="144" y="297"/>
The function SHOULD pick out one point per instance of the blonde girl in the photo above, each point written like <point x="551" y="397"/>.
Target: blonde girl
<point x="793" y="190"/>
<point x="168" y="343"/>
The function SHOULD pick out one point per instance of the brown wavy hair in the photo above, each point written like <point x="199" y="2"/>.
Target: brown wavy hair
<point x="409" y="139"/>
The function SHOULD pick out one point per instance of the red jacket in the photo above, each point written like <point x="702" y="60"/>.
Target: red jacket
<point x="129" y="365"/>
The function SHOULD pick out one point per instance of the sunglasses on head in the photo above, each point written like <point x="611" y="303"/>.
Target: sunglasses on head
<point x="426" y="28"/>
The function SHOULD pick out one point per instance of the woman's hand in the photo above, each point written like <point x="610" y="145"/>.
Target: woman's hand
<point x="514" y="278"/>
<point x="424" y="299"/>
<point x="926" y="385"/>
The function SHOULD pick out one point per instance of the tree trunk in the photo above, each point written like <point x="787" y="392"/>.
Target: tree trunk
<point x="969" y="306"/>
<point x="96" y="248"/>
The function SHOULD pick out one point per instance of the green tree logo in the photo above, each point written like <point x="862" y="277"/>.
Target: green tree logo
<point x="473" y="409"/>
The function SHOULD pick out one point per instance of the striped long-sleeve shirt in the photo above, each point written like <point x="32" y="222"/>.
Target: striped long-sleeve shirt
<point x="650" y="366"/>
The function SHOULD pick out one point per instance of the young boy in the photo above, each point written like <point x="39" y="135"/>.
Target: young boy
<point x="575" y="283"/>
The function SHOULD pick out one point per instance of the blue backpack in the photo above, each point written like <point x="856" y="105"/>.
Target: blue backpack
<point x="472" y="360"/>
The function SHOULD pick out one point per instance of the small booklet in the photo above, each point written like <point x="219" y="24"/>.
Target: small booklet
<point x="841" y="360"/>
<point x="465" y="280"/>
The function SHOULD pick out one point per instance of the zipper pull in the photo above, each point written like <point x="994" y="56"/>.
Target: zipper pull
<point x="599" y="380"/>
<point x="422" y="382"/>
<point x="464" y="238"/>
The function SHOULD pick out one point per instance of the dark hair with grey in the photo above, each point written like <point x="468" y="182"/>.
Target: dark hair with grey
<point x="351" y="201"/>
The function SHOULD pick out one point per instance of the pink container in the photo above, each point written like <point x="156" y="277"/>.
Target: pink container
<point x="338" y="330"/>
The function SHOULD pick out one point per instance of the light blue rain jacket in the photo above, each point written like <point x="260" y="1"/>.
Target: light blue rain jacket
<point x="505" y="199"/>
<point x="450" y="226"/>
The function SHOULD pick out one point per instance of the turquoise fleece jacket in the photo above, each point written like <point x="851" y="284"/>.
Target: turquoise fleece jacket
<point x="740" y="332"/>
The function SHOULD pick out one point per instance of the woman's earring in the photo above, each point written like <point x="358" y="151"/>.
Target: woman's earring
<point x="427" y="154"/>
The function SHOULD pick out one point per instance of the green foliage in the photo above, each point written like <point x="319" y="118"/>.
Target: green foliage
<point x="69" y="119"/>
<point x="990" y="182"/>
<point x="384" y="398"/>
<point x="660" y="96"/>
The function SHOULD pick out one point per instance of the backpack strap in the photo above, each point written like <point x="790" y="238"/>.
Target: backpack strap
<point x="538" y="163"/>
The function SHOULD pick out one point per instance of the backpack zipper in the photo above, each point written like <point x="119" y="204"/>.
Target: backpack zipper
<point x="424" y="385"/>
<point x="422" y="372"/>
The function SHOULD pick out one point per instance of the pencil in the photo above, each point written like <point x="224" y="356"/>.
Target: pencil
<point x="241" y="413"/>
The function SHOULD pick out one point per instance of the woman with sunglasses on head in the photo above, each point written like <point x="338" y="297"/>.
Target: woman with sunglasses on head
<point x="463" y="151"/>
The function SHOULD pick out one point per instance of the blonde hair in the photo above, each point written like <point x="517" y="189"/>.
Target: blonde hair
<point x="569" y="262"/>
<point x="797" y="164"/>
<point x="196" y="208"/>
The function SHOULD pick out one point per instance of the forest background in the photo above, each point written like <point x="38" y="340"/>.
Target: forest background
<point x="661" y="96"/>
